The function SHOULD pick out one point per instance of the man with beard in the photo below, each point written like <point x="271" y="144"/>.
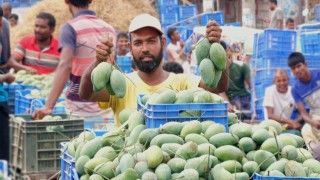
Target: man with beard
<point x="146" y="46"/>
<point x="39" y="52"/>
<point x="78" y="40"/>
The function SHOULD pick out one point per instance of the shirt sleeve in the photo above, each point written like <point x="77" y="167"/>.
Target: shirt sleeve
<point x="297" y="98"/>
<point x="68" y="37"/>
<point x="188" y="81"/>
<point x="246" y="71"/>
<point x="268" y="98"/>
<point x="20" y="50"/>
<point x="279" y="15"/>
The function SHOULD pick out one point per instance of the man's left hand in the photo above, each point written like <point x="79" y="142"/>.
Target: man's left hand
<point x="213" y="31"/>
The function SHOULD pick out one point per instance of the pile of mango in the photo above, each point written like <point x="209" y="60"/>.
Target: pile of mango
<point x="212" y="61"/>
<point x="191" y="150"/>
<point x="40" y="81"/>
<point x="106" y="76"/>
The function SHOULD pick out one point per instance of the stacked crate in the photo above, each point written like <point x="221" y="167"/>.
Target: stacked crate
<point x="188" y="15"/>
<point x="271" y="51"/>
<point x="168" y="11"/>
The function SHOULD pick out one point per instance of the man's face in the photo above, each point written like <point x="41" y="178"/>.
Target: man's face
<point x="300" y="70"/>
<point x="271" y="6"/>
<point x="6" y="11"/>
<point x="290" y="25"/>
<point x="42" y="30"/>
<point x="175" y="35"/>
<point x="13" y="22"/>
<point x="146" y="48"/>
<point x="122" y="43"/>
<point x="281" y="81"/>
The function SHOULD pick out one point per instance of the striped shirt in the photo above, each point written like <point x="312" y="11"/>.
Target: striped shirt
<point x="82" y="34"/>
<point x="45" y="61"/>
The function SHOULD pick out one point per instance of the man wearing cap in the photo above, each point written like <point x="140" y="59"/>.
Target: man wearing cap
<point x="78" y="41"/>
<point x="146" y="46"/>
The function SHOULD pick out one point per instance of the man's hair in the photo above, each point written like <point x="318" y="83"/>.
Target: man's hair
<point x="170" y="32"/>
<point x="122" y="35"/>
<point x="273" y="1"/>
<point x="289" y="20"/>
<point x="281" y="72"/>
<point x="7" y="4"/>
<point x="295" y="58"/>
<point x="49" y="17"/>
<point x="80" y="3"/>
<point x="1" y="12"/>
<point x="173" y="67"/>
<point x="224" y="45"/>
<point x="14" y="16"/>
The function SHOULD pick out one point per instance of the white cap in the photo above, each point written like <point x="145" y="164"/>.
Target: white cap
<point x="144" y="20"/>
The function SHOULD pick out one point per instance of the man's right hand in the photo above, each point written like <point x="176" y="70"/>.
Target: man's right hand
<point x="104" y="49"/>
<point x="315" y="124"/>
<point x="40" y="113"/>
<point x="31" y="70"/>
<point x="294" y="125"/>
<point x="9" y="78"/>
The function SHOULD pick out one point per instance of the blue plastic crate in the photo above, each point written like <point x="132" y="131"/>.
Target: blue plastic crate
<point x="11" y="89"/>
<point x="159" y="114"/>
<point x="217" y="16"/>
<point x="259" y="90"/>
<point x="236" y="24"/>
<point x="4" y="168"/>
<point x="124" y="60"/>
<point x="167" y="2"/>
<point x="313" y="61"/>
<point x="169" y="18"/>
<point x="126" y="68"/>
<point x="310" y="43"/>
<point x="167" y="9"/>
<point x="259" y="114"/>
<point x="309" y="27"/>
<point x="272" y="63"/>
<point x="22" y="103"/>
<point x="272" y="40"/>
<point x="68" y="163"/>
<point x="40" y="102"/>
<point x="189" y="22"/>
<point x="96" y="123"/>
<point x="259" y="177"/>
<point x="266" y="75"/>
<point x="185" y="32"/>
<point x="185" y="12"/>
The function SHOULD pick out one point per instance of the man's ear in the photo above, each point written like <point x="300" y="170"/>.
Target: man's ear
<point x="130" y="47"/>
<point x="163" y="42"/>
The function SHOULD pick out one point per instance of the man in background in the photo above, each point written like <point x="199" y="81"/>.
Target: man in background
<point x="7" y="9"/>
<point x="122" y="44"/>
<point x="78" y="41"/>
<point x="278" y="101"/>
<point x="39" y="52"/>
<point x="14" y="20"/>
<point x="4" y="111"/>
<point x="174" y="48"/>
<point x="276" y="18"/>
<point x="290" y="24"/>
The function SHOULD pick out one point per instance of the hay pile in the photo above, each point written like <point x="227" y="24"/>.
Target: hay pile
<point x="118" y="13"/>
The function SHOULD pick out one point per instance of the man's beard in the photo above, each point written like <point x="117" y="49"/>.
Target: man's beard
<point x="148" y="66"/>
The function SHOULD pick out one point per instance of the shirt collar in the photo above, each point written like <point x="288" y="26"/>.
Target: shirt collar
<point x="84" y="12"/>
<point x="34" y="41"/>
